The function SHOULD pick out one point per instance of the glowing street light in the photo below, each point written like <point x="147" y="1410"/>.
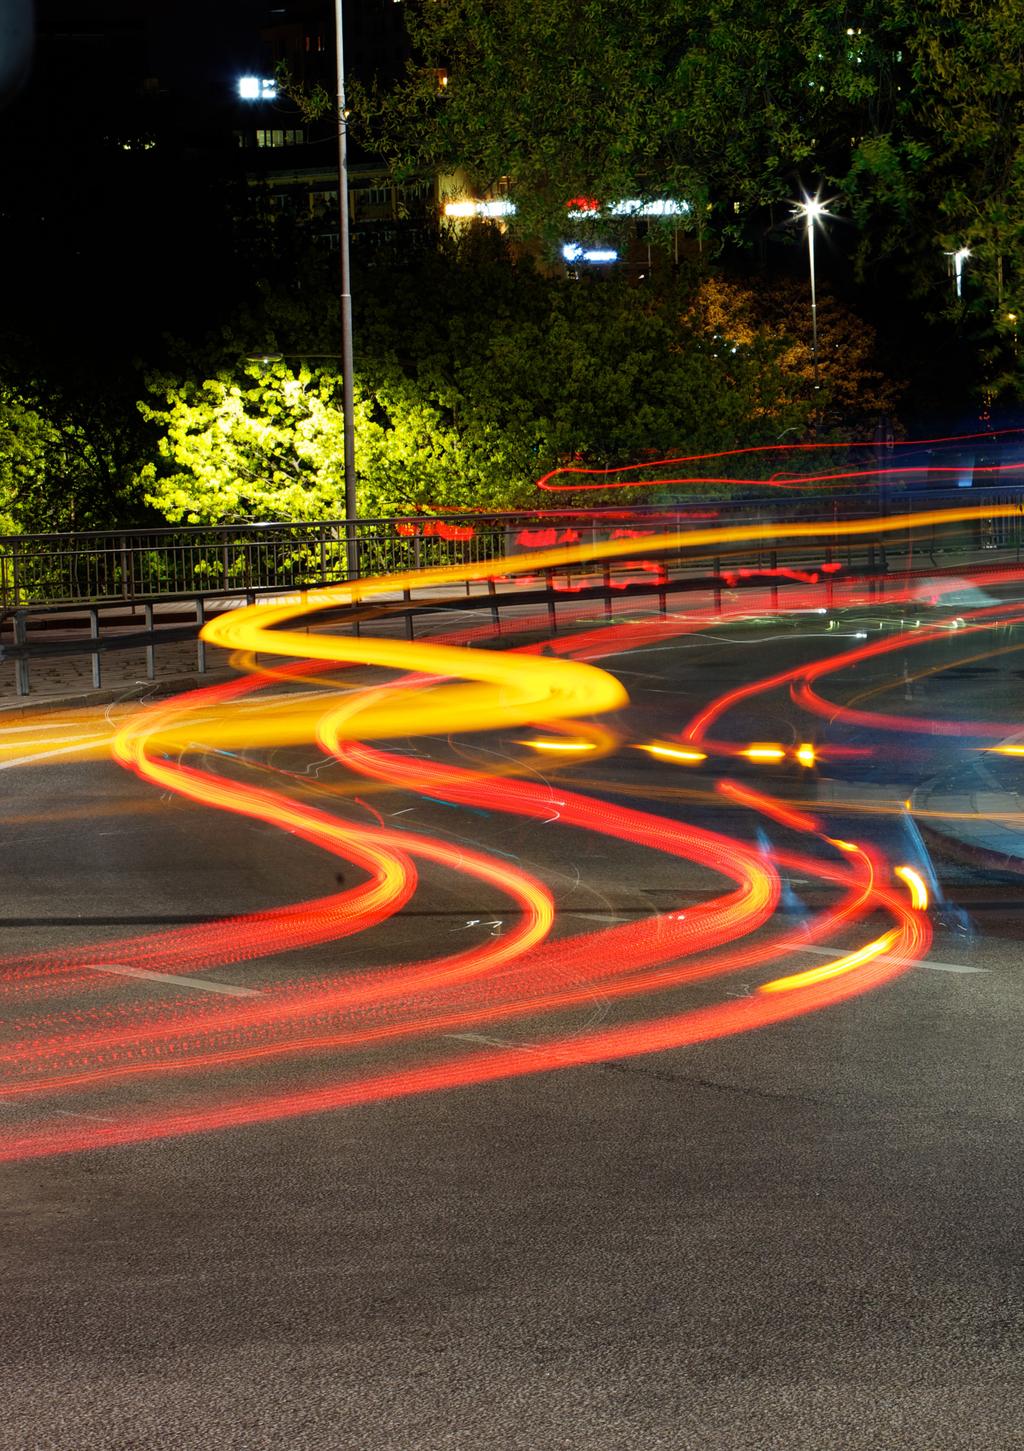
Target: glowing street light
<point x="811" y="209"/>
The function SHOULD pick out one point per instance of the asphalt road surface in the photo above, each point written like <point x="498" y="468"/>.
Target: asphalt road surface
<point x="799" y="1237"/>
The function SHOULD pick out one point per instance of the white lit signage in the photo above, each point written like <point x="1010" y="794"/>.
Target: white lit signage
<point x="663" y="208"/>
<point x="499" y="208"/>
<point x="573" y="252"/>
<point x="633" y="208"/>
<point x="257" y="88"/>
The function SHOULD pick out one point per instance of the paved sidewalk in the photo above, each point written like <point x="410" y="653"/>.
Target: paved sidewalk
<point x="983" y="827"/>
<point x="67" y="679"/>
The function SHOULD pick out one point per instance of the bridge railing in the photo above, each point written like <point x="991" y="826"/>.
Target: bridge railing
<point x="188" y="562"/>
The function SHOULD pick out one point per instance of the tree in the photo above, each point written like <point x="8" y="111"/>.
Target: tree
<point x="910" y="112"/>
<point x="854" y="392"/>
<point x="63" y="464"/>
<point x="604" y="101"/>
<point x="268" y="443"/>
<point x="475" y="377"/>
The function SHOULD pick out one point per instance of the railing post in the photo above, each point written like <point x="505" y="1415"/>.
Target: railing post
<point x="94" y="634"/>
<point x="550" y="587"/>
<point x="200" y="642"/>
<point x="151" y="647"/>
<point x="492" y="590"/>
<point x="407" y="596"/>
<point x="21" y="662"/>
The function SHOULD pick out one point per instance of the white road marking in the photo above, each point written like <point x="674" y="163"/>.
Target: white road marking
<point x="45" y="755"/>
<point x="203" y="984"/>
<point x="927" y="962"/>
<point x="39" y="725"/>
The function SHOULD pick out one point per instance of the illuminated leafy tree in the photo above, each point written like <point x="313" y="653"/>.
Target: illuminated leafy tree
<point x="464" y="402"/>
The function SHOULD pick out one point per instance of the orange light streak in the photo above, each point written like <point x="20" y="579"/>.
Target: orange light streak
<point x="443" y="689"/>
<point x="916" y="886"/>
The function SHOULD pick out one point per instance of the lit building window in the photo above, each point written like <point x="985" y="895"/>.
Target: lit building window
<point x="280" y="138"/>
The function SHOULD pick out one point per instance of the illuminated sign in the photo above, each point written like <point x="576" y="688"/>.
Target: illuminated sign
<point x="581" y="207"/>
<point x="573" y="252"/>
<point x="499" y="208"/>
<point x="257" y="88"/>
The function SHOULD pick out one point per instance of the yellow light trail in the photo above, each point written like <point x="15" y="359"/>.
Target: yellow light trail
<point x="836" y="968"/>
<point x="915" y="885"/>
<point x="672" y="753"/>
<point x="764" y="752"/>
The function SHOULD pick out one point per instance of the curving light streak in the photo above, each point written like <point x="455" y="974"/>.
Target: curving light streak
<point x="765" y="451"/>
<point x="916" y="886"/>
<point x="525" y="972"/>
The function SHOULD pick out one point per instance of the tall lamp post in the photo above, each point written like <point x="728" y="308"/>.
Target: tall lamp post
<point x="347" y="396"/>
<point x="811" y="209"/>
<point x="959" y="257"/>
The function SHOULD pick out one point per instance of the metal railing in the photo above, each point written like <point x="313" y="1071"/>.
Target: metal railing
<point x="282" y="557"/>
<point x="136" y="565"/>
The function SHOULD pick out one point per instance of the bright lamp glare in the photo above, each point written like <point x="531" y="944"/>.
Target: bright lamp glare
<point x="811" y="208"/>
<point x="257" y="88"/>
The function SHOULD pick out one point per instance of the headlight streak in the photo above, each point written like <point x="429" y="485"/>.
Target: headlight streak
<point x="524" y="973"/>
<point x="915" y="885"/>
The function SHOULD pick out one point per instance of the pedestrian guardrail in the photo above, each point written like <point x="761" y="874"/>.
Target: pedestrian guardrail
<point x="187" y="562"/>
<point x="134" y="565"/>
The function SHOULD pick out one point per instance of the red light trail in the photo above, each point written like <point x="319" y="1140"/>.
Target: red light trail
<point x="318" y="1042"/>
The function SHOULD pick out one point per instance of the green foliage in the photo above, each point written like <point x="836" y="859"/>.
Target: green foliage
<point x="474" y="377"/>
<point x="268" y="443"/>
<point x="911" y="112"/>
<point x="63" y="464"/>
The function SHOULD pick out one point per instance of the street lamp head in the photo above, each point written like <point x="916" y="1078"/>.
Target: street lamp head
<point x="962" y="255"/>
<point x="811" y="208"/>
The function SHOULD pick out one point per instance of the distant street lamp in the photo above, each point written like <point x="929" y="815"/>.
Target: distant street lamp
<point x="811" y="209"/>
